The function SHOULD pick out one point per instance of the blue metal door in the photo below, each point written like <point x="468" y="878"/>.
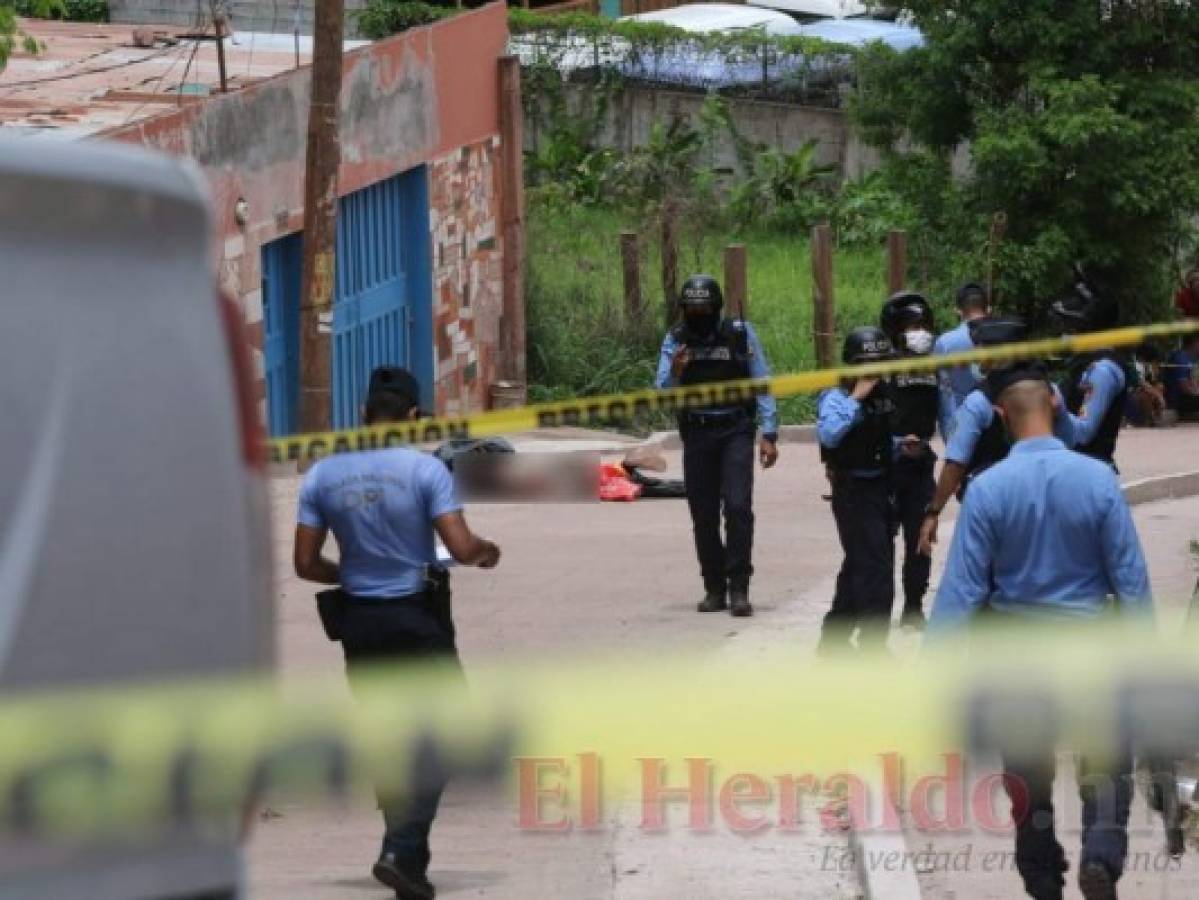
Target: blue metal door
<point x="282" y="262"/>
<point x="383" y="309"/>
<point x="384" y="305"/>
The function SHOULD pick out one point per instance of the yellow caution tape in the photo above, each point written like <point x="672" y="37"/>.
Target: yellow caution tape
<point x="128" y="760"/>
<point x="619" y="408"/>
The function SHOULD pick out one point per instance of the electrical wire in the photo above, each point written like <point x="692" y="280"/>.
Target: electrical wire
<point x="183" y="48"/>
<point x="69" y="75"/>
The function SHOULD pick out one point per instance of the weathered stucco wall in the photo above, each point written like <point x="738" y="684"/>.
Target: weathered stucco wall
<point x="248" y="15"/>
<point x="627" y="121"/>
<point x="406" y="101"/>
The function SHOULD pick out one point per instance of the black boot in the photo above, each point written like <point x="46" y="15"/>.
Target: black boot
<point x="405" y="880"/>
<point x="912" y="617"/>
<point x="739" y="600"/>
<point x="715" y="597"/>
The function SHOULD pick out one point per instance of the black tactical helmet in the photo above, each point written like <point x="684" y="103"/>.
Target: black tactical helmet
<point x="866" y="344"/>
<point x="991" y="331"/>
<point x="701" y="290"/>
<point x="905" y="308"/>
<point x="1084" y="307"/>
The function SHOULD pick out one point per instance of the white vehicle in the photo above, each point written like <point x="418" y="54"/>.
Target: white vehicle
<point x="706" y="18"/>
<point x="134" y="537"/>
<point x="811" y="10"/>
<point x="859" y="32"/>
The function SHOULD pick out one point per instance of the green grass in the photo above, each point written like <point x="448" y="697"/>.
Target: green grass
<point x="580" y="343"/>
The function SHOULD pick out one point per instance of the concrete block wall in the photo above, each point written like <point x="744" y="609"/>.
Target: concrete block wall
<point x="248" y="15"/>
<point x="630" y="115"/>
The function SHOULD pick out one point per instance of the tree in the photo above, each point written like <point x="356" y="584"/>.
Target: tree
<point x="1081" y="118"/>
<point x="10" y="30"/>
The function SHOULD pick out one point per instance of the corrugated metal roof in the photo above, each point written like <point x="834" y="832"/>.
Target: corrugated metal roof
<point x="93" y="77"/>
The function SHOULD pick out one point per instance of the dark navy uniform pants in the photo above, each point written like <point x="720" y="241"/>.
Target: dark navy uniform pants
<point x="866" y="583"/>
<point x="718" y="469"/>
<point x="405" y="629"/>
<point x="914" y="486"/>
<point x="1106" y="789"/>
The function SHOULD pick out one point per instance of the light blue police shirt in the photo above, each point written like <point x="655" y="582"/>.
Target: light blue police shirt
<point x="758" y="368"/>
<point x="1101" y="382"/>
<point x="975" y="416"/>
<point x="956" y="383"/>
<point x="380" y="507"/>
<point x="1045" y="533"/>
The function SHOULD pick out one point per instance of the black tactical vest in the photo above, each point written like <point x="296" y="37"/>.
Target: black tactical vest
<point x="993" y="444"/>
<point x="868" y="444"/>
<point x="917" y="400"/>
<point x="1103" y="445"/>
<point x="721" y="356"/>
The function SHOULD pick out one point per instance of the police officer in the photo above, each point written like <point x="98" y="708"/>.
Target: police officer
<point x="1045" y="535"/>
<point x="1096" y="383"/>
<point x="978" y="438"/>
<point x="855" y="429"/>
<point x="907" y="319"/>
<point x="383" y="508"/>
<point x="718" y="441"/>
<point x="956" y="383"/>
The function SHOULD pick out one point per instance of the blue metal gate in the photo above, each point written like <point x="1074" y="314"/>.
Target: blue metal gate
<point x="382" y="313"/>
<point x="282" y="263"/>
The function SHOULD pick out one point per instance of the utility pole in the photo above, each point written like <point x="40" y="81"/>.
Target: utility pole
<point x="320" y="218"/>
<point x="220" y="23"/>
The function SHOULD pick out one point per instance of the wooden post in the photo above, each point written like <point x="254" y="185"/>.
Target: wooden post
<point x="823" y="301"/>
<point x="512" y="324"/>
<point x="323" y="157"/>
<point x="670" y="261"/>
<point x="736" y="280"/>
<point x="631" y="261"/>
<point x="897" y="261"/>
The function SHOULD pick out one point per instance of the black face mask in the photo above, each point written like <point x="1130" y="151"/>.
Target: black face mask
<point x="702" y="323"/>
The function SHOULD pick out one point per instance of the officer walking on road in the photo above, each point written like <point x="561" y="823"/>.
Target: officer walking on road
<point x="957" y="383"/>
<point x="979" y="437"/>
<point x="1097" y="382"/>
<point x="718" y="441"/>
<point x="1043" y="536"/>
<point x="907" y="319"/>
<point x="383" y="508"/>
<point x="855" y="428"/>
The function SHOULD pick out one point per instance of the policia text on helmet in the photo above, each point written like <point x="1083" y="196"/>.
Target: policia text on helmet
<point x="718" y="441"/>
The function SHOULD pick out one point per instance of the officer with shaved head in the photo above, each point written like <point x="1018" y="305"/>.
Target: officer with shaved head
<point x="1046" y="536"/>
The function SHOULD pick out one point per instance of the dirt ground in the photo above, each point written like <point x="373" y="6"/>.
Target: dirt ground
<point x="579" y="579"/>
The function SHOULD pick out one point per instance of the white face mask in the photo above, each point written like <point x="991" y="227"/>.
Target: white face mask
<point x="919" y="341"/>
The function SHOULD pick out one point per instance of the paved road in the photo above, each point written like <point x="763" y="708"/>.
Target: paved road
<point x="583" y="578"/>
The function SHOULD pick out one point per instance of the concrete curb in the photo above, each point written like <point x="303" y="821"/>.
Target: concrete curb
<point x="1162" y="487"/>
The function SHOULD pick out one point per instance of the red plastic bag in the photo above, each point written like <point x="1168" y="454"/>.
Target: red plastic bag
<point x="615" y="484"/>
